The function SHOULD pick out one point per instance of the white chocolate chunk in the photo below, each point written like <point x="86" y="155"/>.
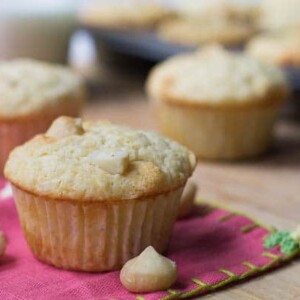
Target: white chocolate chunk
<point x="65" y="126"/>
<point x="111" y="160"/>
<point x="148" y="272"/>
<point x="187" y="199"/>
<point x="2" y="243"/>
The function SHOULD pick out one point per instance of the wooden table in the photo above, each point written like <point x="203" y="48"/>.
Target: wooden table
<point x="268" y="187"/>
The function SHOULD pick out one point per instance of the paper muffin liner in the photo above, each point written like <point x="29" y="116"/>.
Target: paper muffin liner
<point x="218" y="133"/>
<point x="16" y="132"/>
<point x="95" y="236"/>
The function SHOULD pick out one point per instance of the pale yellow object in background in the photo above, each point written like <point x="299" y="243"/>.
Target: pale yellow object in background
<point x="148" y="272"/>
<point x="281" y="48"/>
<point x="280" y="14"/>
<point x="37" y="29"/>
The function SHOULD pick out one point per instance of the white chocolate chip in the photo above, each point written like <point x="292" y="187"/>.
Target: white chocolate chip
<point x="2" y="243"/>
<point x="187" y="199"/>
<point x="148" y="272"/>
<point x="111" y="160"/>
<point x="65" y="126"/>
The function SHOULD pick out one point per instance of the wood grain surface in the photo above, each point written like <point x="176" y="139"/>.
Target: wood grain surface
<point x="268" y="187"/>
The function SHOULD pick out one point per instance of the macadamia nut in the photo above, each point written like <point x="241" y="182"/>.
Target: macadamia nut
<point x="148" y="272"/>
<point x="113" y="161"/>
<point x="65" y="126"/>
<point x="187" y="199"/>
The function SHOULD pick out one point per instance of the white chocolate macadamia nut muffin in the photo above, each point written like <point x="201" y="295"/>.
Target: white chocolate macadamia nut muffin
<point x="32" y="95"/>
<point x="116" y="189"/>
<point x="221" y="105"/>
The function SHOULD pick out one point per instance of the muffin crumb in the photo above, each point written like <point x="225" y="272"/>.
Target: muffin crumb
<point x="148" y="272"/>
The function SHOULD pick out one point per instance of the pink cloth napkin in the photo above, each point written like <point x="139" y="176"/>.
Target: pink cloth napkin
<point x="212" y="248"/>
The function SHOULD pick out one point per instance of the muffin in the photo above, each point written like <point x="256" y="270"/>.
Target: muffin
<point x="208" y="10"/>
<point x="195" y="33"/>
<point x="90" y="196"/>
<point x="199" y="23"/>
<point x="220" y="104"/>
<point x="123" y="15"/>
<point x="32" y="95"/>
<point x="279" y="14"/>
<point x="281" y="48"/>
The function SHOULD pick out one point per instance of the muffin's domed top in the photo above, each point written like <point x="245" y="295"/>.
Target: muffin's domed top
<point x="28" y="87"/>
<point x="98" y="161"/>
<point x="216" y="77"/>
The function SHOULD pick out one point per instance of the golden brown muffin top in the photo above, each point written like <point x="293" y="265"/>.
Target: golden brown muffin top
<point x="216" y="77"/>
<point x="28" y="87"/>
<point x="83" y="161"/>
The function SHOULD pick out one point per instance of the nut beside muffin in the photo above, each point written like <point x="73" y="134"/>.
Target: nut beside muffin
<point x="221" y="105"/>
<point x="97" y="195"/>
<point x="32" y="95"/>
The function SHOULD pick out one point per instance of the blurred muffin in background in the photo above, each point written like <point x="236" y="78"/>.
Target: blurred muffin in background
<point x="219" y="9"/>
<point x="279" y="14"/>
<point x="221" y="105"/>
<point x="200" y="23"/>
<point x="281" y="48"/>
<point x="32" y="95"/>
<point x="125" y="15"/>
<point x="195" y="33"/>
